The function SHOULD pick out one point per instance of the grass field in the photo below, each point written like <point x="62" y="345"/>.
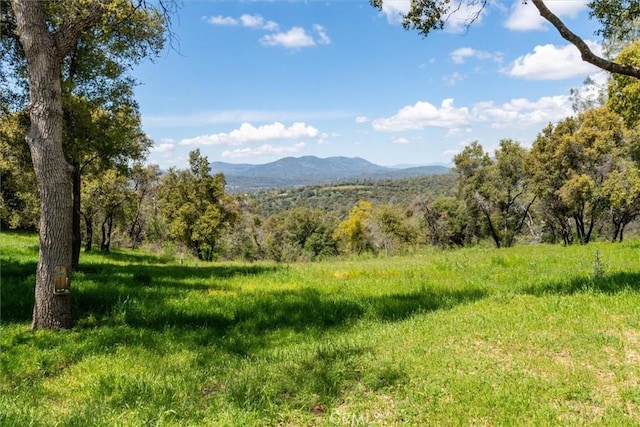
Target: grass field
<point x="532" y="335"/>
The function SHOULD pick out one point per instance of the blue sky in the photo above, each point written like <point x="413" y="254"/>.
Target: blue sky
<point x="252" y="81"/>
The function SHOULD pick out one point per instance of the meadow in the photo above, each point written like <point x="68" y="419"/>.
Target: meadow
<point x="530" y="335"/>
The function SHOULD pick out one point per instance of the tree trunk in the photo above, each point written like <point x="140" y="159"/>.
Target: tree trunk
<point x="76" y="241"/>
<point x="53" y="173"/>
<point x="88" y="242"/>
<point x="107" y="226"/>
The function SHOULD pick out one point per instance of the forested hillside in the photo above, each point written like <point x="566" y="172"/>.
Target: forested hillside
<point x="340" y="198"/>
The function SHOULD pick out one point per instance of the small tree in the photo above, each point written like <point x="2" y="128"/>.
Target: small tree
<point x="196" y="207"/>
<point x="391" y="228"/>
<point x="497" y="188"/>
<point x="353" y="234"/>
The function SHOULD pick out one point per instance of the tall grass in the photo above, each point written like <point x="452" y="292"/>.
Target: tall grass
<point x="532" y="335"/>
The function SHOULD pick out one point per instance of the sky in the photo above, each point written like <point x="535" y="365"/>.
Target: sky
<point x="256" y="81"/>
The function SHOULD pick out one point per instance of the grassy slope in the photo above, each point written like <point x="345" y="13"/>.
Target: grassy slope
<point x="540" y="335"/>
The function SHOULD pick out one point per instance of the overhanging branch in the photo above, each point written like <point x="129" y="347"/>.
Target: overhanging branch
<point x="585" y="51"/>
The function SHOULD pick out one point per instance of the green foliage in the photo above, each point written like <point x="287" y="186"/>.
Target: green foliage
<point x="196" y="207"/>
<point x="438" y="337"/>
<point x="19" y="203"/>
<point x="495" y="190"/>
<point x="391" y="228"/>
<point x="340" y="198"/>
<point x="624" y="91"/>
<point x="444" y="220"/>
<point x="353" y="234"/>
<point x="617" y="19"/>
<point x="569" y="164"/>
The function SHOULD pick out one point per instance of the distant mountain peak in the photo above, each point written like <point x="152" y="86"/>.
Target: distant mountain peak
<point x="310" y="170"/>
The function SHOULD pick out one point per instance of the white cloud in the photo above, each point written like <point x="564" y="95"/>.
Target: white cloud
<point x="525" y="16"/>
<point x="295" y="38"/>
<point x="263" y="150"/>
<point x="515" y="114"/>
<point x="323" y="38"/>
<point x="522" y="112"/>
<point x="362" y="119"/>
<point x="247" y="133"/>
<point x="548" y="62"/>
<point x="222" y="20"/>
<point x="460" y="55"/>
<point x="456" y="21"/>
<point x="395" y="10"/>
<point x="258" y="21"/>
<point x="166" y="146"/>
<point x="423" y="115"/>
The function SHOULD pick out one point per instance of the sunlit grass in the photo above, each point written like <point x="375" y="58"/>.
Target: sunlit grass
<point x="532" y="335"/>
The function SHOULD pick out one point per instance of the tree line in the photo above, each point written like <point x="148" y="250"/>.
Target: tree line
<point x="578" y="181"/>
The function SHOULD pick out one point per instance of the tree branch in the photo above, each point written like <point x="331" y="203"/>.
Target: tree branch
<point x="585" y="52"/>
<point x="76" y="23"/>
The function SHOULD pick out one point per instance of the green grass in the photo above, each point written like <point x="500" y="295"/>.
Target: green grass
<point x="532" y="335"/>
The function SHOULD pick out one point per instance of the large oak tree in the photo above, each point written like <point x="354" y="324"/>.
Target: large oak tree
<point x="48" y="33"/>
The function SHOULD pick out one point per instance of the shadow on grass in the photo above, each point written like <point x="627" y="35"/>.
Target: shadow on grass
<point x="187" y="300"/>
<point x="17" y="282"/>
<point x="132" y="257"/>
<point x="608" y="284"/>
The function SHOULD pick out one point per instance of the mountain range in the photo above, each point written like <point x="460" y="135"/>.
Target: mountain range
<point x="310" y="170"/>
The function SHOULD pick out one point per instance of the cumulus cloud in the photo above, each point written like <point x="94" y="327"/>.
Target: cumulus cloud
<point x="166" y="146"/>
<point x="362" y="119"/>
<point x="523" y="112"/>
<point x="258" y="21"/>
<point x="263" y="150"/>
<point x="297" y="37"/>
<point x="247" y="133"/>
<point x="515" y="114"/>
<point x="246" y="20"/>
<point x="525" y="16"/>
<point x="423" y="115"/>
<point x="222" y="20"/>
<point x="549" y="62"/>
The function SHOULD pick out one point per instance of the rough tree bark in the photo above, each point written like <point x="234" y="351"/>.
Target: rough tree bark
<point x="76" y="240"/>
<point x="45" y="51"/>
